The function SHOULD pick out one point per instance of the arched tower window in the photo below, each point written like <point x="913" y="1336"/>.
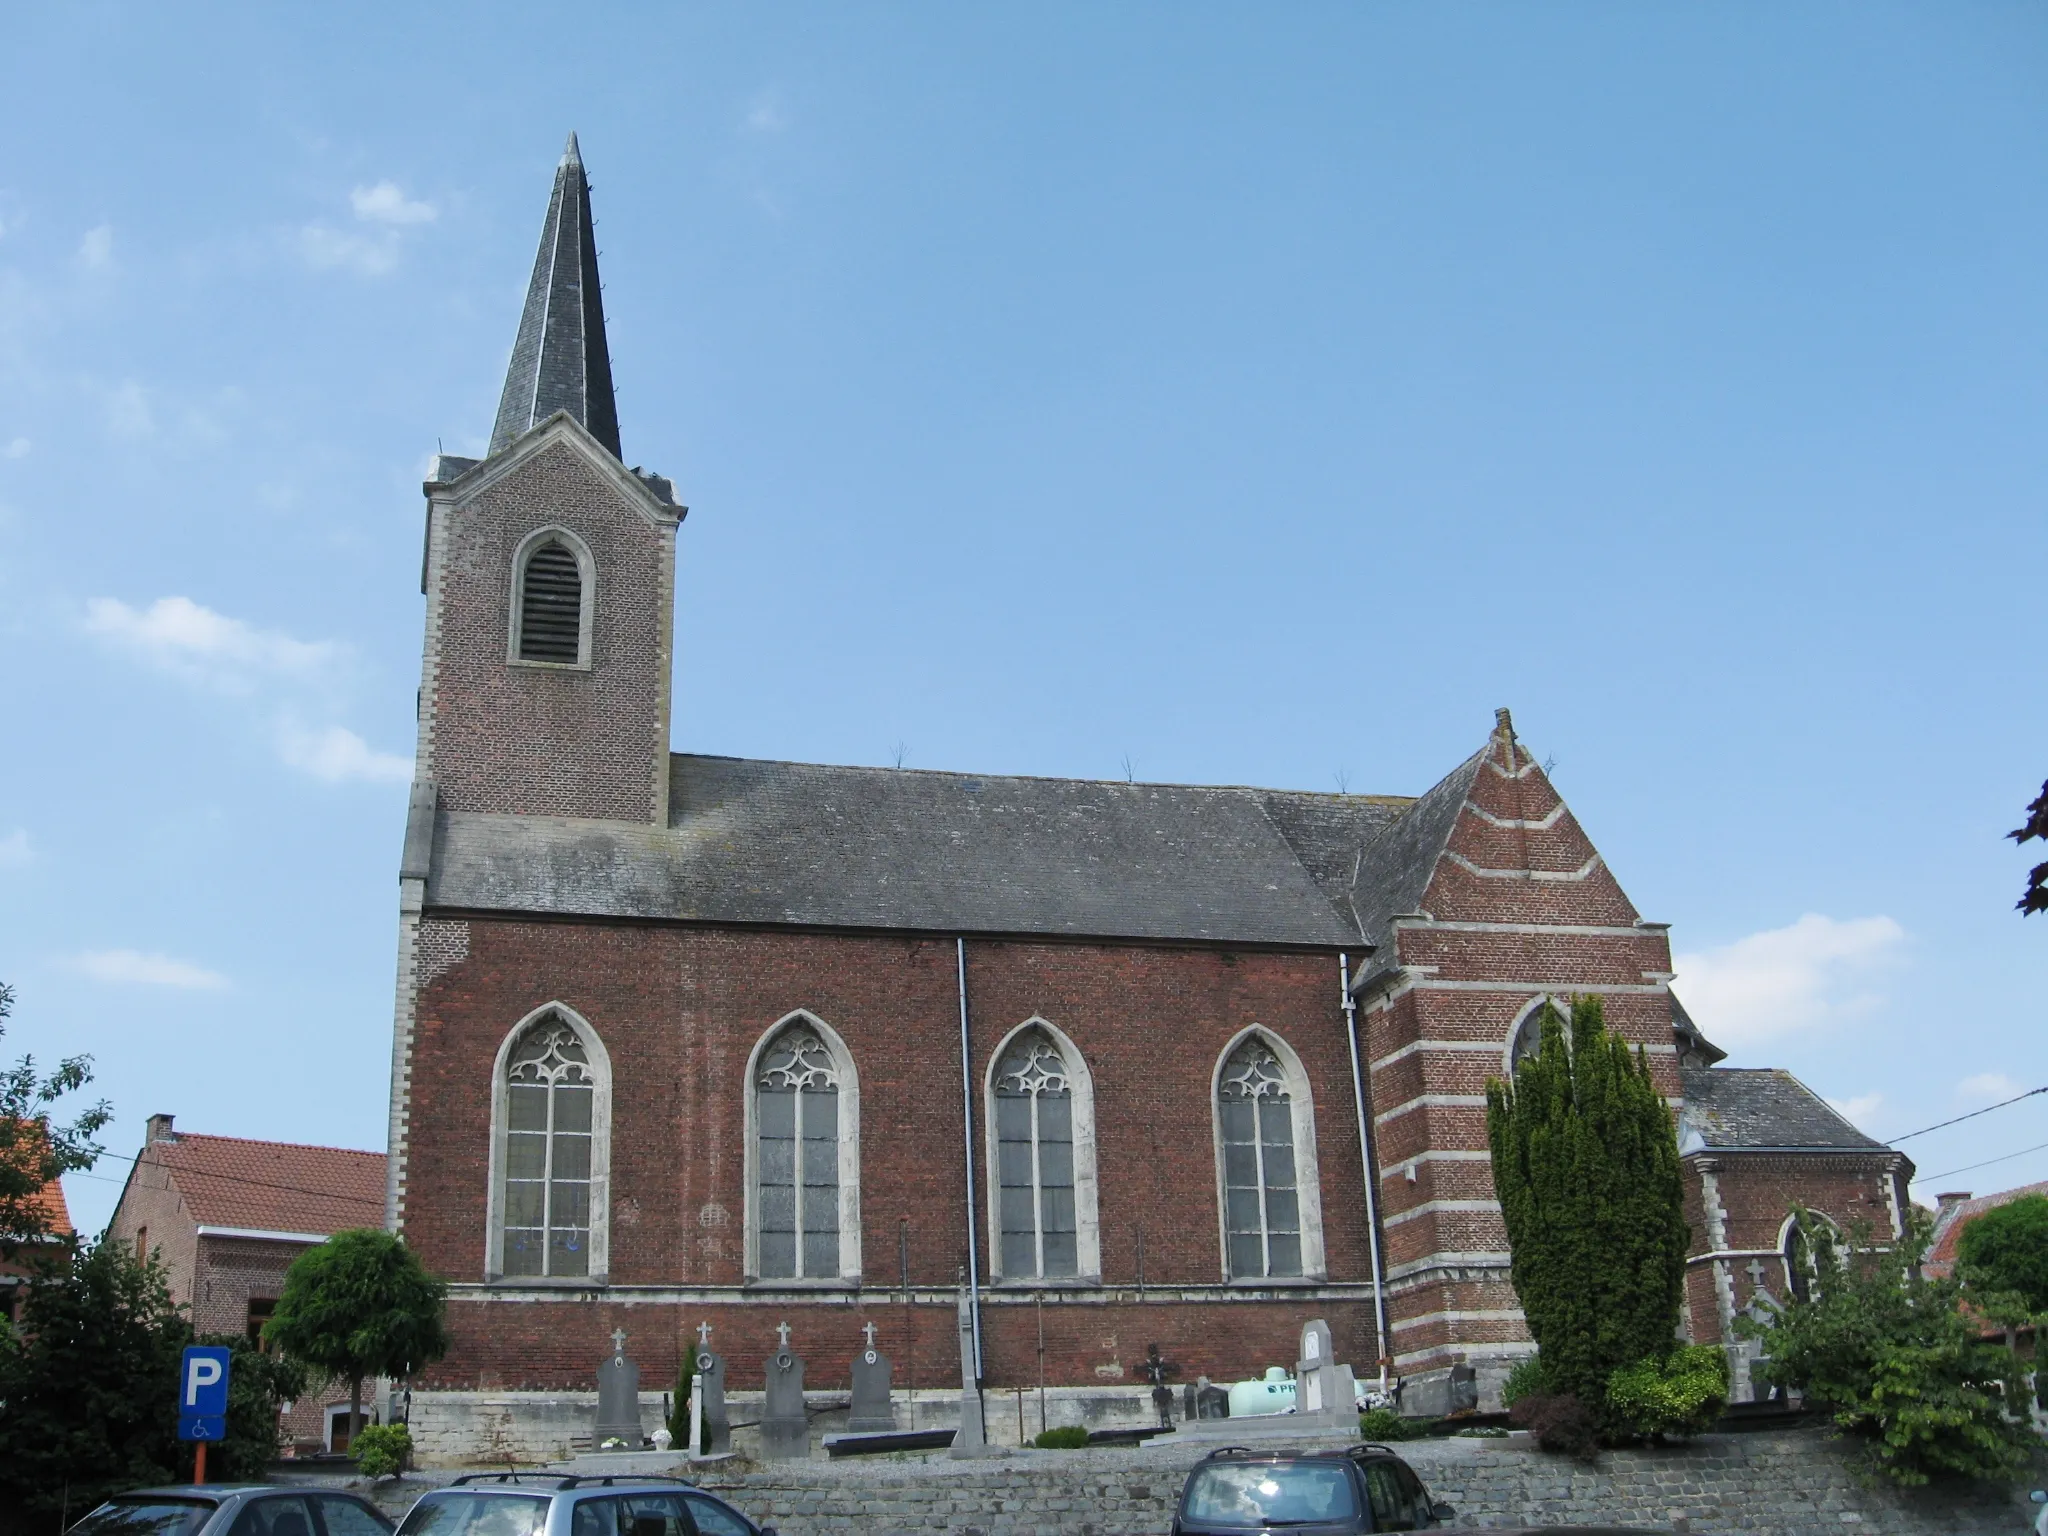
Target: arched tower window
<point x="1265" y="1131"/>
<point x="804" y="1150"/>
<point x="551" y="612"/>
<point x="1041" y="1158"/>
<point x="1526" y="1039"/>
<point x="1798" y="1251"/>
<point x="550" y="1151"/>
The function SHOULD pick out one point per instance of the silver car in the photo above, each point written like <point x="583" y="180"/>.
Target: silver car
<point x="563" y="1504"/>
<point x="233" y="1509"/>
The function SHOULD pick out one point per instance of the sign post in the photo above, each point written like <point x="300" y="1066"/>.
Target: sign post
<point x="203" y="1400"/>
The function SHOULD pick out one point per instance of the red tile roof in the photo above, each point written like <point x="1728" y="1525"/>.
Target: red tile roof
<point x="1948" y="1231"/>
<point x="274" y="1186"/>
<point x="52" y="1201"/>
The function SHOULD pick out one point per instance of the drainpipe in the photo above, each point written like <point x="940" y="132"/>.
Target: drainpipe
<point x="1372" y="1211"/>
<point x="967" y="1124"/>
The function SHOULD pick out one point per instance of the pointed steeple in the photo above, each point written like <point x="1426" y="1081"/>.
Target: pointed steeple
<point x="559" y="362"/>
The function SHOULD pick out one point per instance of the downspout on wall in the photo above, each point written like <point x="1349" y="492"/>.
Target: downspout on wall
<point x="967" y="1130"/>
<point x="1365" y="1158"/>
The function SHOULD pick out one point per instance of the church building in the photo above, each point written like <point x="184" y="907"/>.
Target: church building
<point x="684" y="1039"/>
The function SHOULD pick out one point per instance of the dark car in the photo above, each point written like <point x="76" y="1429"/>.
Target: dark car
<point x="1345" y="1492"/>
<point x="560" y="1504"/>
<point x="233" y="1509"/>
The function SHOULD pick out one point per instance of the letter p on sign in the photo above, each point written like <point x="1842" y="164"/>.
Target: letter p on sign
<point x="205" y="1390"/>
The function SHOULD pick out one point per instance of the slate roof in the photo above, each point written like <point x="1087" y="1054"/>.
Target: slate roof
<point x="1752" y="1108"/>
<point x="273" y="1186"/>
<point x="560" y="361"/>
<point x="1395" y="868"/>
<point x="763" y="842"/>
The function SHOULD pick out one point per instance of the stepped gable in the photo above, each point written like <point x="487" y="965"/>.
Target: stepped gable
<point x="804" y="844"/>
<point x="1754" y="1109"/>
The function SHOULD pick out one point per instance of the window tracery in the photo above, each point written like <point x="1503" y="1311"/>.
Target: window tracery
<point x="1261" y="1201"/>
<point x="797" y="1121"/>
<point x="550" y="1099"/>
<point x="1034" y="1115"/>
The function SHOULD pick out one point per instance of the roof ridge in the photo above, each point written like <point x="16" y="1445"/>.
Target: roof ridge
<point x="1051" y="778"/>
<point x="181" y="1137"/>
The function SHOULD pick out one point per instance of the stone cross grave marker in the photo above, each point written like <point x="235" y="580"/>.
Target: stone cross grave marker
<point x="1323" y="1388"/>
<point x="716" y="1433"/>
<point x="618" y="1400"/>
<point x="872" y="1412"/>
<point x="785" y="1431"/>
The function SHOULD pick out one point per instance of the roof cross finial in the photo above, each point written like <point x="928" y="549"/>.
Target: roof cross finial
<point x="618" y="1341"/>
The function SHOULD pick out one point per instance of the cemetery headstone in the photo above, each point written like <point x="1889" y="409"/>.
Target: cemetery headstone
<point x="872" y="1411"/>
<point x="618" y="1400"/>
<point x="785" y="1430"/>
<point x="1202" y="1399"/>
<point x="715" y="1427"/>
<point x="971" y="1438"/>
<point x="1156" y="1371"/>
<point x="1323" y="1388"/>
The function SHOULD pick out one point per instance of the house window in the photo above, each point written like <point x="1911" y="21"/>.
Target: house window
<point x="1034" y="1126"/>
<point x="1261" y="1199"/>
<point x="551" y="607"/>
<point x="260" y="1312"/>
<point x="797" y="1125"/>
<point x="550" y="1104"/>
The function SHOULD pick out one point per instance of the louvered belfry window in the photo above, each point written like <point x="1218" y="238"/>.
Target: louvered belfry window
<point x="551" y="606"/>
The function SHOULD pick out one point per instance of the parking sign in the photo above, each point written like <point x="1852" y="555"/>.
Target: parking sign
<point x="203" y="1393"/>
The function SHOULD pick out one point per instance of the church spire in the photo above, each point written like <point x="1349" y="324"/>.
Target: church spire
<point x="559" y="362"/>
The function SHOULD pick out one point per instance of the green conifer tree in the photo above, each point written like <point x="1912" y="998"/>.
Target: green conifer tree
<point x="1585" y="1164"/>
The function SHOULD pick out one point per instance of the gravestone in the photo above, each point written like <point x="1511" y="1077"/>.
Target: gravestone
<point x="972" y="1438"/>
<point x="715" y="1427"/>
<point x="618" y="1400"/>
<point x="785" y="1430"/>
<point x="1324" y="1391"/>
<point x="872" y="1413"/>
<point x="1156" y="1371"/>
<point x="1201" y="1399"/>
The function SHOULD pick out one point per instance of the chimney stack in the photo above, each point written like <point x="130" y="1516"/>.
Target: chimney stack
<point x="159" y="1129"/>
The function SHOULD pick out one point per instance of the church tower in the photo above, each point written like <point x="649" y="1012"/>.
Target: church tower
<point x="550" y="574"/>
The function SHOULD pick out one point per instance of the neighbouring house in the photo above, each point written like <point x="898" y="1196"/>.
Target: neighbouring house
<point x="226" y="1217"/>
<point x="15" y="1272"/>
<point x="684" y="1039"/>
<point x="1955" y="1211"/>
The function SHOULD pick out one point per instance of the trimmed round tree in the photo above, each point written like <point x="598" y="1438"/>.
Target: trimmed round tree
<point x="357" y="1306"/>
<point x="1585" y="1165"/>
<point x="2005" y="1252"/>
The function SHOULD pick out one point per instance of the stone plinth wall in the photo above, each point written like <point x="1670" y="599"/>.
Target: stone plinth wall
<point x="1791" y="1484"/>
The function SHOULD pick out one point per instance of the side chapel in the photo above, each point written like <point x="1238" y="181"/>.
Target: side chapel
<point x="683" y="1038"/>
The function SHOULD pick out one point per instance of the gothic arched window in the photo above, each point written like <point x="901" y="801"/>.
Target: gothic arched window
<point x="1799" y="1266"/>
<point x="805" y="1155"/>
<point x="1266" y="1162"/>
<point x="1034" y="1120"/>
<point x="550" y="1151"/>
<point x="551" y="608"/>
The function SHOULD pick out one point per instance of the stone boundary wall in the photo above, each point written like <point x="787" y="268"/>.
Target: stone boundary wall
<point x="1781" y="1484"/>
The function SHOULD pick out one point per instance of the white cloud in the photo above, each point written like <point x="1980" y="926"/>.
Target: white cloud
<point x="128" y="412"/>
<point x="364" y="255"/>
<point x="195" y="643"/>
<point x="15" y="850"/>
<point x="1816" y="972"/>
<point x="1860" y="1111"/>
<point x="131" y="967"/>
<point x="339" y="755"/>
<point x="1988" y="1086"/>
<point x="96" y="250"/>
<point x="16" y="449"/>
<point x="385" y="204"/>
<point x="765" y="114"/>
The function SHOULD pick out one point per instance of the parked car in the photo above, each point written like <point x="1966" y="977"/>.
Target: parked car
<point x="233" y="1509"/>
<point x="562" y="1504"/>
<point x="1345" y="1492"/>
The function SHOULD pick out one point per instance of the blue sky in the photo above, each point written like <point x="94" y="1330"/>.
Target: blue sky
<point x="1233" y="394"/>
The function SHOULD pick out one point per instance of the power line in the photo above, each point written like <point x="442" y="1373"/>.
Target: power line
<point x="1973" y="1114"/>
<point x="1972" y="1167"/>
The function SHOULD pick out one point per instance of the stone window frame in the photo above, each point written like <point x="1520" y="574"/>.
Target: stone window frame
<point x="849" y="1275"/>
<point x="1785" y="1230"/>
<point x="586" y="571"/>
<point x="600" y="1062"/>
<point x="1523" y="1015"/>
<point x="1307" y="1167"/>
<point x="1087" y="1217"/>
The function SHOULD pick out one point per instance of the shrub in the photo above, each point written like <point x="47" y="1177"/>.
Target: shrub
<point x="382" y="1450"/>
<point x="1068" y="1437"/>
<point x="1560" y="1423"/>
<point x="1682" y="1394"/>
<point x="679" y="1413"/>
<point x="1525" y="1378"/>
<point x="1385" y="1424"/>
<point x="2005" y="1252"/>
